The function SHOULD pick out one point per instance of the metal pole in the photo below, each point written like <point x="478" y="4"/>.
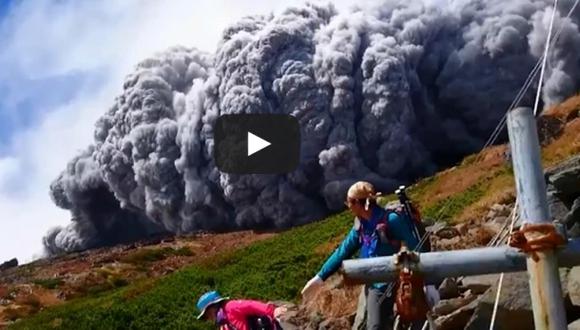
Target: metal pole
<point x="545" y="287"/>
<point x="436" y="266"/>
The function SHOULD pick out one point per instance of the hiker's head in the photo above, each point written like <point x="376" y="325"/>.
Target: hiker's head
<point x="209" y="304"/>
<point x="360" y="199"/>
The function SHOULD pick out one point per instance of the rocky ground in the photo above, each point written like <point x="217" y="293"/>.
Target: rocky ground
<point x="467" y="303"/>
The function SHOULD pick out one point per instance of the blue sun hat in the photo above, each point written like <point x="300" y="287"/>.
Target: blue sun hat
<point x="207" y="300"/>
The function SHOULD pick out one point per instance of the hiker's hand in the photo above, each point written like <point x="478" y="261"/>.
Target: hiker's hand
<point x="279" y="312"/>
<point x="312" y="285"/>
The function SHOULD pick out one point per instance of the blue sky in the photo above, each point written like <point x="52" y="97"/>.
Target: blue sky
<point x="18" y="110"/>
<point x="5" y="127"/>
<point x="62" y="62"/>
<point x="4" y="7"/>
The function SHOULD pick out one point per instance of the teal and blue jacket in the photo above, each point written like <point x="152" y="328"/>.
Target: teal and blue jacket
<point x="400" y="228"/>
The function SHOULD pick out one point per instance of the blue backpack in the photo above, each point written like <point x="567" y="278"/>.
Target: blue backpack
<point x="370" y="234"/>
<point x="373" y="233"/>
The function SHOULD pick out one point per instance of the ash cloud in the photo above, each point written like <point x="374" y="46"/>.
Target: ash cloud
<point x="387" y="93"/>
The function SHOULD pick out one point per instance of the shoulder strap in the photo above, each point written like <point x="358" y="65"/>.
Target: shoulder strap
<point x="228" y="325"/>
<point x="385" y="221"/>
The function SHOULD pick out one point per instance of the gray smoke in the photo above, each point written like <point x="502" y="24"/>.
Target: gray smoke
<point x="387" y="94"/>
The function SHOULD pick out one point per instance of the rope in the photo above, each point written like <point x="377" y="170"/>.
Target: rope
<point x="547" y="238"/>
<point x="545" y="60"/>
<point x="557" y="35"/>
<point x="500" y="236"/>
<point x="523" y="90"/>
<point x="500" y="283"/>
<point x="497" y="130"/>
<point x="496" y="304"/>
<point x="495" y="134"/>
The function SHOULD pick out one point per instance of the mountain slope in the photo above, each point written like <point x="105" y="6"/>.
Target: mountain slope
<point x="277" y="267"/>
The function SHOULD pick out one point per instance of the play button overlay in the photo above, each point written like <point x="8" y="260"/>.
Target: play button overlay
<point x="257" y="143"/>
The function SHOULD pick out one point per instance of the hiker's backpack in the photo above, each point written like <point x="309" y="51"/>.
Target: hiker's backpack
<point x="414" y="215"/>
<point x="381" y="232"/>
<point x="257" y="322"/>
<point x="262" y="323"/>
<point x="370" y="234"/>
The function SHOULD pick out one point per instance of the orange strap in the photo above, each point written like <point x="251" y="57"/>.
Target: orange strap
<point x="544" y="237"/>
<point x="411" y="301"/>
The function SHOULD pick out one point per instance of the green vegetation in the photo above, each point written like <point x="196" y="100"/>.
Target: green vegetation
<point x="117" y="282"/>
<point x="48" y="283"/>
<point x="420" y="188"/>
<point x="150" y="255"/>
<point x="272" y="269"/>
<point x="384" y="200"/>
<point x="111" y="281"/>
<point x="447" y="209"/>
<point x="450" y="208"/>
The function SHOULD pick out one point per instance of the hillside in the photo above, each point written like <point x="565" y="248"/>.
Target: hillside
<point x="155" y="287"/>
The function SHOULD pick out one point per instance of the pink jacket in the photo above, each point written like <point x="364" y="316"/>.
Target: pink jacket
<point x="238" y="310"/>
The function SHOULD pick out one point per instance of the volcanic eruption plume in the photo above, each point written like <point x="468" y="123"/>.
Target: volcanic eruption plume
<point x="386" y="93"/>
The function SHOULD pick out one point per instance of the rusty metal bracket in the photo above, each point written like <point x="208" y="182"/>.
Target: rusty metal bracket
<point x="532" y="238"/>
<point x="406" y="258"/>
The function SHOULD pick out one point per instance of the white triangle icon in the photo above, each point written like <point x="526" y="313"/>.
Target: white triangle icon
<point x="256" y="143"/>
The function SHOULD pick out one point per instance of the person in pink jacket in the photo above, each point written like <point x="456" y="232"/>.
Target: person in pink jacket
<point x="238" y="314"/>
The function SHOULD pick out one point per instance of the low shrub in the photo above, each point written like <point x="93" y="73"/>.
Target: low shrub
<point x="48" y="283"/>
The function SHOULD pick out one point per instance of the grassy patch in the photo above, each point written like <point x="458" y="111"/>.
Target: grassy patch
<point x="566" y="145"/>
<point x="500" y="190"/>
<point x="495" y="187"/>
<point x="183" y="251"/>
<point x="272" y="269"/>
<point x="447" y="209"/>
<point x="429" y="192"/>
<point x="117" y="281"/>
<point x="151" y="255"/>
<point x="48" y="283"/>
<point x="419" y="190"/>
<point x="384" y="200"/>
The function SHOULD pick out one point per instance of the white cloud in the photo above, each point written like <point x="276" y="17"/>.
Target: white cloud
<point x="42" y="39"/>
<point x="8" y="168"/>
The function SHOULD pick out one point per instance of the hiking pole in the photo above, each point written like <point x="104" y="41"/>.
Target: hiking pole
<point x="406" y="203"/>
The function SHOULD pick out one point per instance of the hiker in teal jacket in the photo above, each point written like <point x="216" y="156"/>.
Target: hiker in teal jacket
<point x="399" y="230"/>
<point x="376" y="232"/>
